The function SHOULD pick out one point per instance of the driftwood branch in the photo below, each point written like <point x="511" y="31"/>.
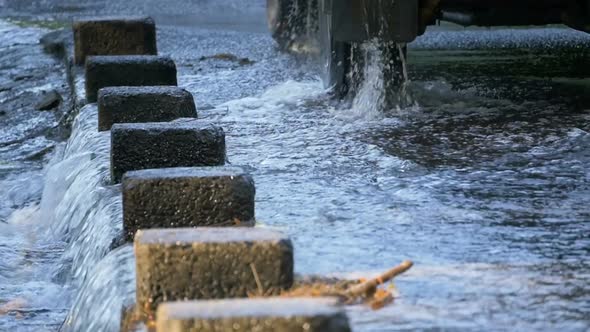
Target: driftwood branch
<point x="370" y="285"/>
<point x="347" y="291"/>
<point x="257" y="279"/>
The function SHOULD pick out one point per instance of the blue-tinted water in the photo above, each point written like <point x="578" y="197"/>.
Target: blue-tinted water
<point x="483" y="183"/>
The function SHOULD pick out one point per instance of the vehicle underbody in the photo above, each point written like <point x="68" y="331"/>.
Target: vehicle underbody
<point x="341" y="25"/>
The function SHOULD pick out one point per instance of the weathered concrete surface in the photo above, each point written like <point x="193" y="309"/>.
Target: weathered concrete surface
<point x="143" y="104"/>
<point x="187" y="197"/>
<point x="128" y="70"/>
<point x="137" y="146"/>
<point x="114" y="36"/>
<point x="209" y="263"/>
<point x="261" y="315"/>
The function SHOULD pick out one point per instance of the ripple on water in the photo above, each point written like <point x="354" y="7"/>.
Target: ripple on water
<point x="493" y="191"/>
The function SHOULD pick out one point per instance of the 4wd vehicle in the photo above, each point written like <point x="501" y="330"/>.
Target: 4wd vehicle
<point x="339" y="25"/>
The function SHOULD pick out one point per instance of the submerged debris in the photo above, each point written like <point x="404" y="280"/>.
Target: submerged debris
<point x="13" y="307"/>
<point x="347" y="291"/>
<point x="228" y="57"/>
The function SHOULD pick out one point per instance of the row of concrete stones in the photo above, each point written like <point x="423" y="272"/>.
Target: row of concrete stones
<point x="190" y="276"/>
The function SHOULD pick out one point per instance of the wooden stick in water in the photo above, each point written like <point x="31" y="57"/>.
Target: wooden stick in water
<point x="371" y="284"/>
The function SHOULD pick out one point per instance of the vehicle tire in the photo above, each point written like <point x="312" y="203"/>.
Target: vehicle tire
<point x="335" y="58"/>
<point x="291" y="20"/>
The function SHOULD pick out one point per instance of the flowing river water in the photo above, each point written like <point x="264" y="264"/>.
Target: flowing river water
<point x="483" y="182"/>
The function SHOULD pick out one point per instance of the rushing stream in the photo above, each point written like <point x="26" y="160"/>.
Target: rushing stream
<point x="483" y="181"/>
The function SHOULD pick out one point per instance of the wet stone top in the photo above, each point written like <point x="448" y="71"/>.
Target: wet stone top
<point x="189" y="236"/>
<point x="143" y="90"/>
<point x="184" y="124"/>
<point x="185" y="172"/>
<point x="85" y="19"/>
<point x="127" y="59"/>
<point x="271" y="307"/>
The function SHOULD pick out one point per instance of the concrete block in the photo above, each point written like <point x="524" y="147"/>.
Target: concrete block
<point x="187" y="197"/>
<point x="137" y="146"/>
<point x="260" y="315"/>
<point x="143" y="104"/>
<point x="127" y="70"/>
<point x="114" y="36"/>
<point x="209" y="263"/>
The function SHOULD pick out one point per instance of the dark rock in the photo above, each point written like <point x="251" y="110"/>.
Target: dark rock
<point x="55" y="42"/>
<point x="131" y="70"/>
<point x="137" y="146"/>
<point x="118" y="241"/>
<point x="23" y="77"/>
<point x="143" y="104"/>
<point x="187" y="197"/>
<point x="114" y="36"/>
<point x="228" y="57"/>
<point x="8" y="86"/>
<point x="49" y="100"/>
<point x="40" y="154"/>
<point x="209" y="263"/>
<point x="258" y="314"/>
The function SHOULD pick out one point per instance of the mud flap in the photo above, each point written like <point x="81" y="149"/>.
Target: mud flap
<point x="360" y="20"/>
<point x="334" y="55"/>
<point x="577" y="16"/>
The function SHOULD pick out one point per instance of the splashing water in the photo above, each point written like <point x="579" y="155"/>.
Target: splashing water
<point x="102" y="298"/>
<point x="383" y="80"/>
<point x="80" y="206"/>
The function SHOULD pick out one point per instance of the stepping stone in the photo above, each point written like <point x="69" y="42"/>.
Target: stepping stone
<point x="143" y="104"/>
<point x="187" y="197"/>
<point x="209" y="263"/>
<point x="114" y="36"/>
<point x="127" y="70"/>
<point x="137" y="146"/>
<point x="259" y="314"/>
